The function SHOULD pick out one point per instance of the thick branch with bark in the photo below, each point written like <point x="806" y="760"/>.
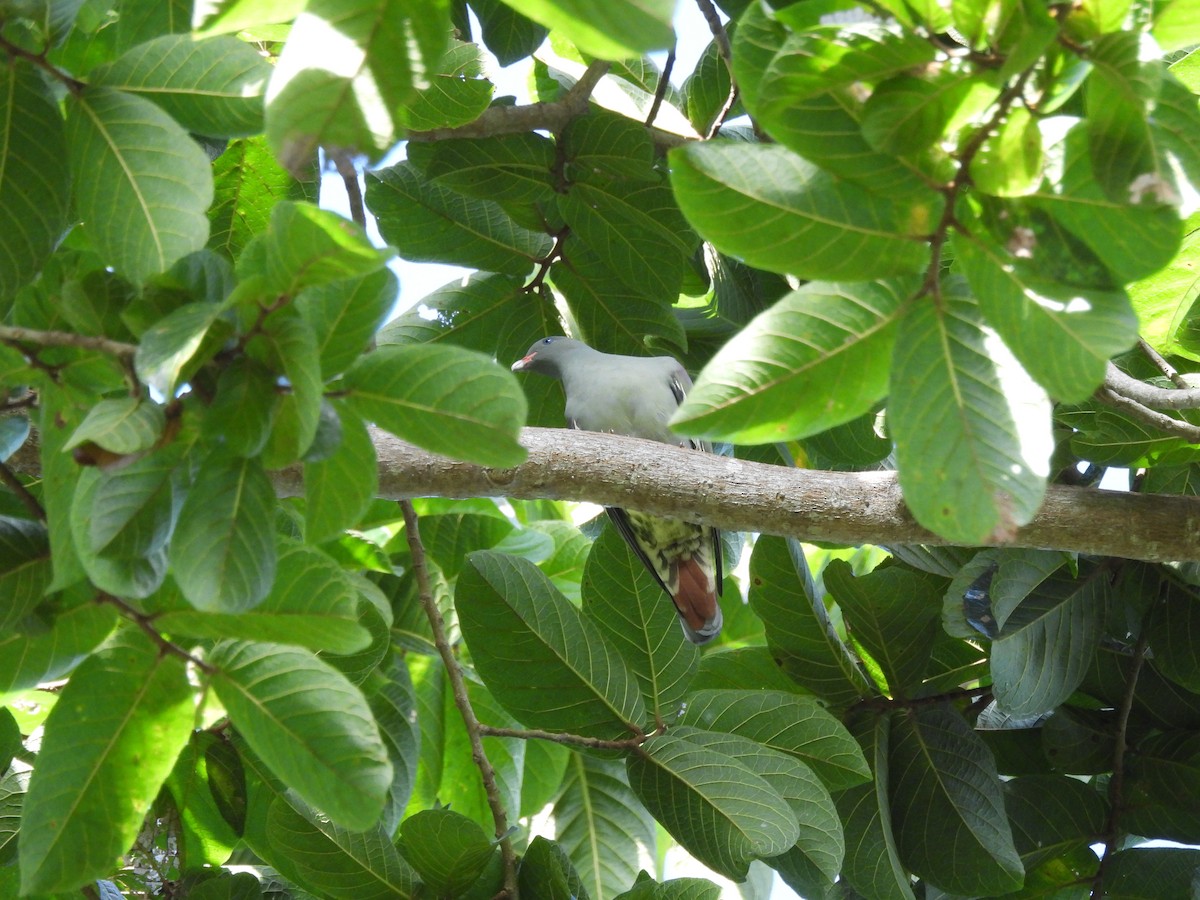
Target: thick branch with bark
<point x="845" y="507"/>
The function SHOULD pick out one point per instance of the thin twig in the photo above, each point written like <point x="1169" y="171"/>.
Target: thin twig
<point x="349" y="173"/>
<point x="18" y="335"/>
<point x="660" y="90"/>
<point x="571" y="740"/>
<point x="39" y="60"/>
<point x="1163" y="366"/>
<point x="459" y="688"/>
<point x="14" y="484"/>
<point x="1153" y="418"/>
<point x="1149" y="395"/>
<point x="717" y="28"/>
<point x="1116" y="784"/>
<point x="146" y="623"/>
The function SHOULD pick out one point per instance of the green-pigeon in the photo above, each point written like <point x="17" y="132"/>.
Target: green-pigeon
<point x="637" y="396"/>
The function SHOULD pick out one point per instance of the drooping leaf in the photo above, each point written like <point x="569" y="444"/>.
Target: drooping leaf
<point x="309" y="246"/>
<point x="945" y="792"/>
<point x="309" y="724"/>
<point x="607" y="31"/>
<point x="105" y="753"/>
<point x="33" y="193"/>
<point x="123" y="426"/>
<point x="223" y="554"/>
<point x="338" y="488"/>
<point x="447" y="849"/>
<point x="554" y="669"/>
<point x="344" y="315"/>
<point x="971" y="429"/>
<point x="142" y="185"/>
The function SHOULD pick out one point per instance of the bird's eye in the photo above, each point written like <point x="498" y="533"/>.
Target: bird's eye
<point x="548" y="341"/>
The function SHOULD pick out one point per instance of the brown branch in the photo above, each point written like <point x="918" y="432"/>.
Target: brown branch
<point x="459" y="688"/>
<point x="550" y="116"/>
<point x="1150" y="396"/>
<point x="842" y="507"/>
<point x="146" y="623"/>
<point x="1161" y="421"/>
<point x="345" y="168"/>
<point x="39" y="60"/>
<point x="570" y="740"/>
<point x="15" y="334"/>
<point x="1163" y="366"/>
<point x="1116" y="784"/>
<point x="27" y="499"/>
<point x="717" y="28"/>
<point x="660" y="90"/>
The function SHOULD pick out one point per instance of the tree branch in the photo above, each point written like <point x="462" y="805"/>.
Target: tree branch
<point x="558" y="737"/>
<point x="843" y="507"/>
<point x="459" y="689"/>
<point x="1163" y="366"/>
<point x="66" y="339"/>
<point x="1157" y="420"/>
<point x="1147" y="394"/>
<point x="550" y="116"/>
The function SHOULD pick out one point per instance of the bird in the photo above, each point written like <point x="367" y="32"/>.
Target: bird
<point x="636" y="396"/>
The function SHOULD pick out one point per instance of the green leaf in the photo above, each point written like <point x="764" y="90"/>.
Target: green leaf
<point x="1051" y="814"/>
<point x="596" y="800"/>
<point x="1175" y="621"/>
<point x="610" y="30"/>
<point x="223" y="554"/>
<point x="309" y="246"/>
<point x="800" y="635"/>
<point x="602" y="148"/>
<point x="511" y="169"/>
<point x="508" y="34"/>
<point x="1135" y="237"/>
<point x="333" y="860"/>
<point x="31" y="658"/>
<point x="289" y="343"/>
<point x="24" y="568"/>
<point x="338" y="489"/>
<point x="447" y="849"/>
<point x="386" y="48"/>
<point x="764" y="385"/>
<point x="248" y="182"/>
<point x="455" y="95"/>
<point x="1163" y="300"/>
<point x="309" y="724"/>
<point x="445" y="399"/>
<point x="891" y="612"/>
<point x="790" y="723"/>
<point x="906" y="114"/>
<point x="626" y="604"/>
<point x="1143" y="873"/>
<point x="240" y="415"/>
<point x="872" y="864"/>
<point x="213" y="87"/>
<point x="125" y="426"/>
<point x="311" y="604"/>
<point x="132" y="577"/>
<point x="107" y="748"/>
<point x="1009" y="162"/>
<point x="633" y="229"/>
<point x="768" y="206"/>
<point x="610" y="315"/>
<point x="134" y="506"/>
<point x="167" y="348"/>
<point x="820" y="848"/>
<point x="713" y="804"/>
<point x="345" y="315"/>
<point x="971" y="429"/>
<point x="546" y="871"/>
<point x="1045" y="645"/>
<point x="393" y="702"/>
<point x="1086" y="326"/>
<point x="142" y="185"/>
<point x="34" y="185"/>
<point x="430" y="223"/>
<point x="945" y="792"/>
<point x="247" y="15"/>
<point x="554" y="670"/>
<point x="474" y="312"/>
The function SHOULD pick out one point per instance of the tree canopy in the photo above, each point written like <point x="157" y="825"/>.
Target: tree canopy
<point x="293" y="601"/>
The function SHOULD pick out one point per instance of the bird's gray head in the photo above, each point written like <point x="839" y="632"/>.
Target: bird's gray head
<point x="547" y="355"/>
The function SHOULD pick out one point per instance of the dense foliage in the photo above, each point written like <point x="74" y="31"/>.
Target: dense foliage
<point x="882" y="232"/>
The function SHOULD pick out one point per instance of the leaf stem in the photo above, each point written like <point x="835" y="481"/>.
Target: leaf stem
<point x="557" y="737"/>
<point x="461" y="700"/>
<point x="1116" y="784"/>
<point x="39" y="60"/>
<point x="660" y="90"/>
<point x="146" y="623"/>
<point x="14" y="484"/>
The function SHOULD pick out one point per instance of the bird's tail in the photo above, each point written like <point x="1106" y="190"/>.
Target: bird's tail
<point x="696" y="601"/>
